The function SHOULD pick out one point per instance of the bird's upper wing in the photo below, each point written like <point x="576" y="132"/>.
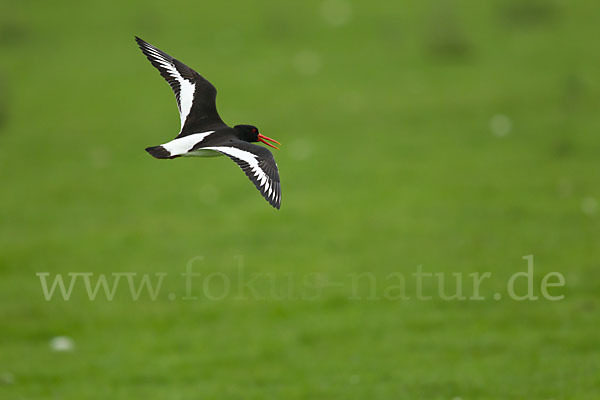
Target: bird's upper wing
<point x="258" y="164"/>
<point x="195" y="95"/>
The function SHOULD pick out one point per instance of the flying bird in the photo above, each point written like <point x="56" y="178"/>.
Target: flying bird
<point x="204" y="134"/>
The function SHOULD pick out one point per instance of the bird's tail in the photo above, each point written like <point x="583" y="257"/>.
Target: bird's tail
<point x="158" y="152"/>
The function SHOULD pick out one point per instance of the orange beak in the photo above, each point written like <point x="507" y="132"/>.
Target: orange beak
<point x="264" y="139"/>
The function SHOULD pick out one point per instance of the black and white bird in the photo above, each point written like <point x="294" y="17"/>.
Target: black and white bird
<point x="204" y="134"/>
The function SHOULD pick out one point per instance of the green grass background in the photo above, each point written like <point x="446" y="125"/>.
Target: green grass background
<point x="388" y="162"/>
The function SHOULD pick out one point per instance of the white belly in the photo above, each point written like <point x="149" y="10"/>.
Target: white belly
<point x="202" y="153"/>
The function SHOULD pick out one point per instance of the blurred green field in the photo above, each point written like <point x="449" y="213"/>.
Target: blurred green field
<point x="455" y="135"/>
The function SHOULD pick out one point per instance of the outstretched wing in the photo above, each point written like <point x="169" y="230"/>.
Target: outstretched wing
<point x="195" y="95"/>
<point x="258" y="164"/>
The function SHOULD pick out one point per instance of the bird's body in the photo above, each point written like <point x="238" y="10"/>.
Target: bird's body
<point x="204" y="134"/>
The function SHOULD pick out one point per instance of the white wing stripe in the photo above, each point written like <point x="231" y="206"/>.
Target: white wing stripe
<point x="186" y="98"/>
<point x="187" y="88"/>
<point x="250" y="159"/>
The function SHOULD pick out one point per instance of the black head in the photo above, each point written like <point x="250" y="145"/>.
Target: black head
<point x="249" y="133"/>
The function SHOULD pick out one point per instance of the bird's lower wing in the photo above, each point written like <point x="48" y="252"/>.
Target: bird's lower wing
<point x="258" y="164"/>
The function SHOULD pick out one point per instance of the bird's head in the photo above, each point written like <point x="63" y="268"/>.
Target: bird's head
<point x="249" y="133"/>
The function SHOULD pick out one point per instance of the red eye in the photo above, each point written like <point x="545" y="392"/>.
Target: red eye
<point x="253" y="130"/>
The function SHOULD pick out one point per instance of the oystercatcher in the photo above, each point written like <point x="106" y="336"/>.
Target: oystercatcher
<point x="204" y="134"/>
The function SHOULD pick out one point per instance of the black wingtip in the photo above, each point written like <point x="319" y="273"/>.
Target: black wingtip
<point x="275" y="205"/>
<point x="277" y="201"/>
<point x="141" y="42"/>
<point x="274" y="199"/>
